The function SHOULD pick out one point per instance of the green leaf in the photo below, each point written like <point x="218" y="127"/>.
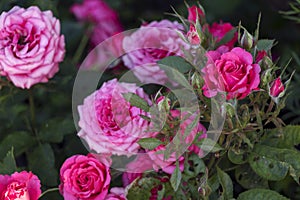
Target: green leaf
<point x="207" y="144"/>
<point x="228" y="37"/>
<point x="267" y="167"/>
<point x="286" y="137"/>
<point x="226" y="184"/>
<point x="41" y="161"/>
<point x="8" y="166"/>
<point x="193" y="167"/>
<point x="237" y="157"/>
<point x="273" y="163"/>
<point x="20" y="141"/>
<point x="261" y="194"/>
<point x="175" y="179"/>
<point x="177" y="63"/>
<point x="149" y="143"/>
<point x="213" y="183"/>
<point x="55" y="130"/>
<point x="264" y="45"/>
<point x="248" y="179"/>
<point x="136" y="101"/>
<point x="140" y="189"/>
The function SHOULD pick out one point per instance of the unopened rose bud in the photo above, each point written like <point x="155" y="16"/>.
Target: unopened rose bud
<point x="247" y="40"/>
<point x="276" y="88"/>
<point x="193" y="36"/>
<point x="163" y="103"/>
<point x="197" y="81"/>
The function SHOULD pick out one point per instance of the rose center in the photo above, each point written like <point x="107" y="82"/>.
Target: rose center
<point x="16" y="191"/>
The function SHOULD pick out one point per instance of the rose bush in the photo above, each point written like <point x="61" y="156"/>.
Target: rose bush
<point x="31" y="46"/>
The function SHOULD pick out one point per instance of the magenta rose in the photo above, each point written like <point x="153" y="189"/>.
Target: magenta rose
<point x="20" y="186"/>
<point x="232" y="72"/>
<point x="219" y="30"/>
<point x="105" y="20"/>
<point x="109" y="124"/>
<point x="116" y="193"/>
<point x="136" y="168"/>
<point x="150" y="43"/>
<point x="195" y="13"/>
<point x="276" y="88"/>
<point x="85" y="177"/>
<point x="30" y="46"/>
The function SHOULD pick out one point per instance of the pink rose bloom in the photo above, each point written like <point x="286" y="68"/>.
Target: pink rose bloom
<point x="195" y="13"/>
<point x="136" y="168"/>
<point x="116" y="193"/>
<point x="109" y="124"/>
<point x="232" y="72"/>
<point x="84" y="177"/>
<point x="30" y="46"/>
<point x="277" y="88"/>
<point x="20" y="186"/>
<point x="219" y="30"/>
<point x="150" y="43"/>
<point x="105" y="20"/>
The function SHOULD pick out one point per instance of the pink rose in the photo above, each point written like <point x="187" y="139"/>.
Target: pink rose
<point x="105" y="20"/>
<point x="20" y="186"/>
<point x="195" y="13"/>
<point x="277" y="88"/>
<point x="232" y="72"/>
<point x="116" y="193"/>
<point x="136" y="168"/>
<point x="109" y="124"/>
<point x="30" y="46"/>
<point x="219" y="30"/>
<point x="149" y="44"/>
<point x="84" y="177"/>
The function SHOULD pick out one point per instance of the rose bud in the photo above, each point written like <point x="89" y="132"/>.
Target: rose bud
<point x="193" y="36"/>
<point x="276" y="88"/>
<point x="247" y="40"/>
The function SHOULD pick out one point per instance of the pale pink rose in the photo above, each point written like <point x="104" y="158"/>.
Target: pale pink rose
<point x="136" y="168"/>
<point x="116" y="193"/>
<point x="150" y="43"/>
<point x="85" y="177"/>
<point x="105" y="20"/>
<point x="20" y="186"/>
<point x="109" y="124"/>
<point x="195" y="13"/>
<point x="232" y="72"/>
<point x="277" y="88"/>
<point x="219" y="30"/>
<point x="30" y="46"/>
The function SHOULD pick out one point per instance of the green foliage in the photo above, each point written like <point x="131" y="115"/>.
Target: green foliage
<point x="140" y="189"/>
<point x="176" y="177"/>
<point x="136" y="101"/>
<point x="149" y="143"/>
<point x="261" y="194"/>
<point x="226" y="183"/>
<point x="8" y="166"/>
<point x="177" y="63"/>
